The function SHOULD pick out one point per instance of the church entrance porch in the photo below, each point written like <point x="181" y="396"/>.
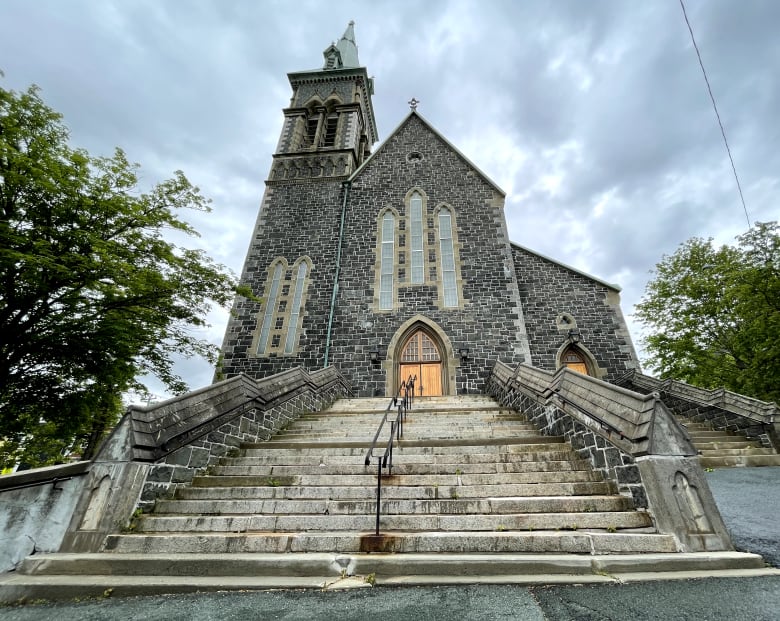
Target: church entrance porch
<point x="420" y="357"/>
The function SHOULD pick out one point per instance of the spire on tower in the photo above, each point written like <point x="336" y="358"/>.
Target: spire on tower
<point x="344" y="54"/>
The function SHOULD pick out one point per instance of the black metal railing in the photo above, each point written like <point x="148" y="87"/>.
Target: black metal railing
<point x="399" y="404"/>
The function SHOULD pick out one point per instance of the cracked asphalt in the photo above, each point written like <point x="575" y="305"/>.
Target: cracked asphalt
<point x="749" y="500"/>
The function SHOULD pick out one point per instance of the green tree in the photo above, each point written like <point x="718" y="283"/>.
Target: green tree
<point x="92" y="294"/>
<point x="713" y="314"/>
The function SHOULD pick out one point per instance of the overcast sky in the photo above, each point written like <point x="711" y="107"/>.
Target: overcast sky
<point x="593" y="116"/>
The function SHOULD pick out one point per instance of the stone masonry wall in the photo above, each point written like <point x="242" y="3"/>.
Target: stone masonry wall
<point x="548" y="290"/>
<point x="489" y="319"/>
<point x="296" y="220"/>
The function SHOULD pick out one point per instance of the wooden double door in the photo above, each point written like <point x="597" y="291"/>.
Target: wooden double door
<point x="575" y="361"/>
<point x="421" y="358"/>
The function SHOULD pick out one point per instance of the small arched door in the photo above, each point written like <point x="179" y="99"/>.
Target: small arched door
<point x="575" y="361"/>
<point x="421" y="357"/>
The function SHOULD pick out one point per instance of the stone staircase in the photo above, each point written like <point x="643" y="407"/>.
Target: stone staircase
<point x="468" y="477"/>
<point x="719" y="449"/>
<point x="476" y="494"/>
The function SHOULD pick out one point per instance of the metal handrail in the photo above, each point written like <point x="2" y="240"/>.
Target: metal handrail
<point x="403" y="401"/>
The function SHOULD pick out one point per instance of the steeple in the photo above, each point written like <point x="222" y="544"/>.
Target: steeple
<point x="344" y="54"/>
<point x="329" y="127"/>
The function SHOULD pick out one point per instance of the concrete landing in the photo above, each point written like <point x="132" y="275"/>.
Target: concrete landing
<point x="68" y="576"/>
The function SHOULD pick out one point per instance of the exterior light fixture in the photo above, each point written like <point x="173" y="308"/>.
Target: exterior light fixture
<point x="464" y="354"/>
<point x="373" y="355"/>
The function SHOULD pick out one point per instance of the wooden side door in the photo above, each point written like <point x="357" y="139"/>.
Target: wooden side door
<point x="574" y="361"/>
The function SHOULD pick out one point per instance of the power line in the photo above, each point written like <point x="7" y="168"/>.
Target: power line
<point x="715" y="107"/>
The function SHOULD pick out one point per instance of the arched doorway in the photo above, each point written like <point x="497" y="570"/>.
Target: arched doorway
<point x="420" y="357"/>
<point x="575" y="361"/>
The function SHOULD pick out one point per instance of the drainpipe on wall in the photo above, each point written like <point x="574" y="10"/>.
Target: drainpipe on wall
<point x="346" y="185"/>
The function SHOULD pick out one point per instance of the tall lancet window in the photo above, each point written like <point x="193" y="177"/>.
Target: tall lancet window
<point x="386" y="265"/>
<point x="447" y="252"/>
<point x="416" y="210"/>
<point x="270" y="308"/>
<point x="292" y="328"/>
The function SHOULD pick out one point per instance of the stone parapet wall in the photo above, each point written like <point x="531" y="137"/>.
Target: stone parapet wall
<point x="632" y="439"/>
<point x="723" y="409"/>
<point x="615" y="464"/>
<point x="151" y="452"/>
<point x="239" y="410"/>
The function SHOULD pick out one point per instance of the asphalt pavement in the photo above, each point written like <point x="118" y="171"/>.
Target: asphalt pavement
<point x="749" y="500"/>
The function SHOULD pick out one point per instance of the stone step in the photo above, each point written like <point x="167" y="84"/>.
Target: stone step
<point x="573" y="542"/>
<point x="727" y="461"/>
<point x="364" y="492"/>
<point x="519" y="452"/>
<point x="596" y="501"/>
<point x="723" y="452"/>
<point x="488" y="445"/>
<point x="367" y="479"/>
<point x="364" y="435"/>
<point x="339" y="425"/>
<point x="706" y="434"/>
<point x="293" y="458"/>
<point x="728" y="444"/>
<point x="534" y="470"/>
<point x="605" y="521"/>
<point x="448" y="400"/>
<point x="71" y="576"/>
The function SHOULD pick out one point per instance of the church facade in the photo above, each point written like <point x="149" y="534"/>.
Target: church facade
<point x="397" y="263"/>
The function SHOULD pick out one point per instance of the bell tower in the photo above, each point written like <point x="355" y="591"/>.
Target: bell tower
<point x="329" y="127"/>
<point x="294" y="253"/>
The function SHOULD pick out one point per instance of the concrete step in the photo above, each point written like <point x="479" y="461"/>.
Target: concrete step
<point x="470" y="445"/>
<point x="573" y="542"/>
<point x="604" y="521"/>
<point x="70" y="576"/>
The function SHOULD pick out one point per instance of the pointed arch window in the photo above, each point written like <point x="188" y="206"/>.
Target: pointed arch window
<point x="292" y="327"/>
<point x="447" y="253"/>
<point x="417" y="257"/>
<point x="270" y="309"/>
<point x="386" y="265"/>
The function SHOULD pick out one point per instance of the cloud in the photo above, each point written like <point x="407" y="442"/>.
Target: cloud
<point x="594" y="117"/>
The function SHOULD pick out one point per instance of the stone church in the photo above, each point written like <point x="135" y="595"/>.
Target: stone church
<point x="396" y="261"/>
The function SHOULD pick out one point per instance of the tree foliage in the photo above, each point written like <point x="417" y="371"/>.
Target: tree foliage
<point x="714" y="314"/>
<point x="92" y="294"/>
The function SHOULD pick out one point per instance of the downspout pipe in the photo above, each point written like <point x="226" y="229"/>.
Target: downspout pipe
<point x="346" y="186"/>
